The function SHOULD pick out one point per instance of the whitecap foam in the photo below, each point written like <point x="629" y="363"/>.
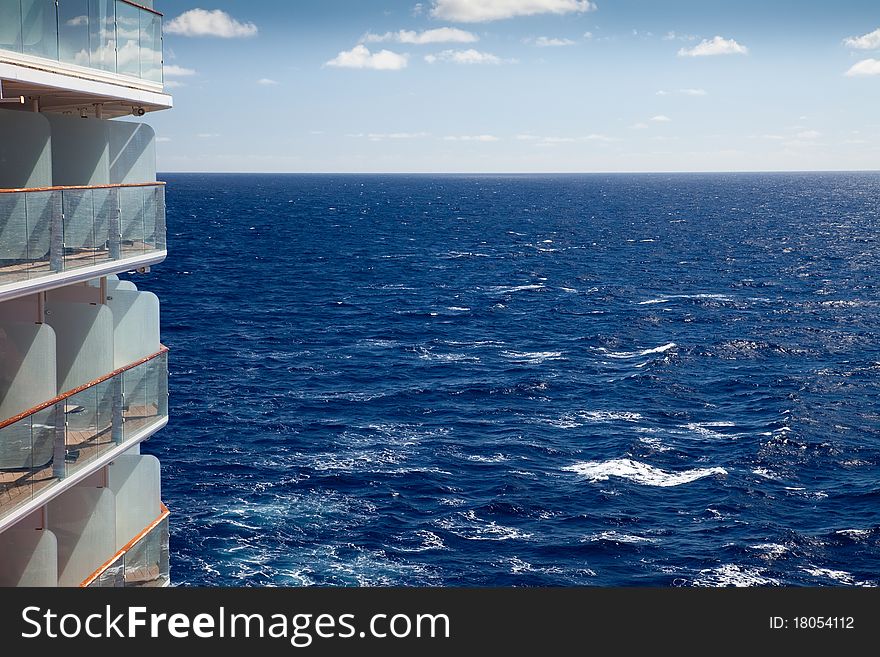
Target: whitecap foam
<point x="502" y="289"/>
<point x="533" y="357"/>
<point x="651" y="302"/>
<point x="734" y="575"/>
<point x="770" y="550"/>
<point x="617" y="537"/>
<point x="836" y="575"/>
<point x="645" y="352"/>
<point x="467" y="525"/>
<point x="854" y="534"/>
<point x="640" y="473"/>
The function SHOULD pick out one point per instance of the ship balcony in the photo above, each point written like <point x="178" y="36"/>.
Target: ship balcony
<point x="59" y="234"/>
<point x="143" y="562"/>
<point x="52" y="446"/>
<point x="101" y="36"/>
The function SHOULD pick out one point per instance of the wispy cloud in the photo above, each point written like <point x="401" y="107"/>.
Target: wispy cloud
<point x="267" y="82"/>
<point x="438" y="35"/>
<point x="361" y="57"/>
<point x="808" y="134"/>
<point x="207" y="135"/>
<point x="869" y="41"/>
<point x="675" y="36"/>
<point x="550" y="42"/>
<point x="173" y="71"/>
<point x="482" y="138"/>
<point x="469" y="56"/>
<point x="384" y="136"/>
<point x="204" y="22"/>
<point x="481" y="11"/>
<point x="864" y="68"/>
<point x="163" y="140"/>
<point x="660" y="118"/>
<point x="715" y="46"/>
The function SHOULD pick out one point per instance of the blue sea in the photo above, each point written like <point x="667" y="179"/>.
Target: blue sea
<point x="518" y="380"/>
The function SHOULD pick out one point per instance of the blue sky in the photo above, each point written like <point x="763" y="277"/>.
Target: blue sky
<point x="520" y="85"/>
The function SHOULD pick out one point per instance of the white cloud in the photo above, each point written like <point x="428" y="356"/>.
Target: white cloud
<point x="207" y="135"/>
<point x="639" y="126"/>
<point x="361" y="57"/>
<point x="869" y="41"/>
<point x="382" y="136"/>
<point x="588" y="35"/>
<point x="661" y="118"/>
<point x="204" y="22"/>
<point x="716" y="46"/>
<point x="809" y="134"/>
<point x="526" y="137"/>
<point x="480" y="11"/>
<point x="267" y="82"/>
<point x="175" y="71"/>
<point x="863" y="68"/>
<point x="174" y="84"/>
<point x="550" y="42"/>
<point x="439" y="35"/>
<point x="78" y="21"/>
<point x="469" y="56"/>
<point x="482" y="138"/>
<point x="163" y="140"/>
<point x="674" y="36"/>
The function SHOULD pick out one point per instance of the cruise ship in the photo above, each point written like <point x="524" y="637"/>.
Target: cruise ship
<point x="83" y="374"/>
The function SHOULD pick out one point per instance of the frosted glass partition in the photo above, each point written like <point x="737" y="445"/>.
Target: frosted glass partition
<point x="84" y="521"/>
<point x="25" y="148"/>
<point x="27" y="367"/>
<point x="135" y="324"/>
<point x="68" y="433"/>
<point x="45" y="232"/>
<point x="28" y="557"/>
<point x="110" y="35"/>
<point x="84" y="342"/>
<point x="135" y="478"/>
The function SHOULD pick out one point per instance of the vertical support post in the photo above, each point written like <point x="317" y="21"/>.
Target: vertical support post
<point x="117" y="432"/>
<point x="59" y="464"/>
<point x="162" y="364"/>
<point x="114" y="229"/>
<point x="56" y="239"/>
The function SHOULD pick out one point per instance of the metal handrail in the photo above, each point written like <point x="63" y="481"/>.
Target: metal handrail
<point x="70" y="393"/>
<point x="61" y="188"/>
<point x="149" y="9"/>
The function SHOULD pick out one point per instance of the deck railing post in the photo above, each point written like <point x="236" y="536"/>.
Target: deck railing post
<point x="59" y="463"/>
<point x="56" y="240"/>
<point x="113" y="228"/>
<point x="117" y="432"/>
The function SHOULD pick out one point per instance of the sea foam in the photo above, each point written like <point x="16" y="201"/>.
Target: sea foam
<point x="640" y="473"/>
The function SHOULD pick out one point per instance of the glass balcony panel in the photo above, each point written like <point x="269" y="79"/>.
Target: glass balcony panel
<point x="10" y="26"/>
<point x="80" y="242"/>
<point x="39" y="28"/>
<point x="131" y="221"/>
<point x="16" y="464"/>
<point x="128" y="35"/>
<point x="43" y="208"/>
<point x="151" y="46"/>
<point x="80" y="430"/>
<point x="151" y="218"/>
<point x="102" y="34"/>
<point x="14" y="262"/>
<point x="73" y="32"/>
<point x="105" y="210"/>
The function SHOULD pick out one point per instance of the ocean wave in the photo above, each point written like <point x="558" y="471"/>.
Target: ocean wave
<point x="467" y="525"/>
<point x="533" y="357"/>
<point x="640" y="473"/>
<point x="617" y="537"/>
<point x="734" y="575"/>
<point x="637" y="354"/>
<point x="505" y="289"/>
